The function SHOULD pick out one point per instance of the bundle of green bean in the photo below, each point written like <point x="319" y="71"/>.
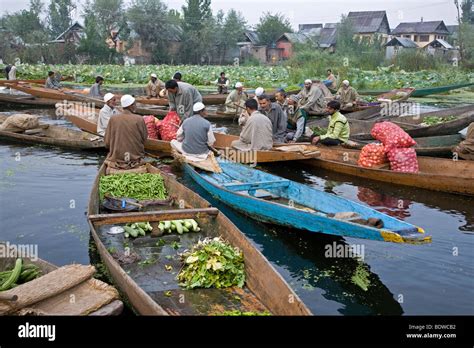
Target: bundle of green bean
<point x="136" y="186"/>
<point x="20" y="274"/>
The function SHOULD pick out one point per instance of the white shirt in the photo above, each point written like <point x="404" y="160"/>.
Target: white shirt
<point x="12" y="73"/>
<point x="104" y="116"/>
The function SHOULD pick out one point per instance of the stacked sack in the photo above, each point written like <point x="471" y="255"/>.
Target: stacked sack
<point x="398" y="147"/>
<point x="150" y="122"/>
<point x="169" y="126"/>
<point x="372" y="155"/>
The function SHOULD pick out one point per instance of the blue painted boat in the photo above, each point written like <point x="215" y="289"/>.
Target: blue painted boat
<point x="272" y="199"/>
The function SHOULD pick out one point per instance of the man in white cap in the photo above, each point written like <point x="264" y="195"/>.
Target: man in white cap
<point x="125" y="137"/>
<point x="347" y="95"/>
<point x="106" y="113"/>
<point x="258" y="93"/>
<point x="235" y="101"/>
<point x="181" y="97"/>
<point x="312" y="98"/>
<point x="195" y="135"/>
<point x="154" y="87"/>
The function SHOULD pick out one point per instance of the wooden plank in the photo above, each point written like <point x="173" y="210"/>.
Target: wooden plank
<point x="108" y="219"/>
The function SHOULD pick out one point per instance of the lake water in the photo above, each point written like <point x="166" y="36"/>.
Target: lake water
<point x="44" y="194"/>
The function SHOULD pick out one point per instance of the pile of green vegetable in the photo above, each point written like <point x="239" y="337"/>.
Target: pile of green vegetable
<point x="179" y="226"/>
<point x="434" y="120"/>
<point x="212" y="263"/>
<point x="20" y="274"/>
<point x="361" y="277"/>
<point x="136" y="186"/>
<point x="137" y="229"/>
<point x="319" y="130"/>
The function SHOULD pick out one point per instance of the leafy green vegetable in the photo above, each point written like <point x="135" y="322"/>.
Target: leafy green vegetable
<point x="361" y="277"/>
<point x="212" y="263"/>
<point x="319" y="130"/>
<point x="434" y="120"/>
<point x="136" y="186"/>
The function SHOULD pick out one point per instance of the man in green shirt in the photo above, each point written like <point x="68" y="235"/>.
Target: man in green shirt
<point x="338" y="129"/>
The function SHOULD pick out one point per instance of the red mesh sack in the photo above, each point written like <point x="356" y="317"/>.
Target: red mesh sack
<point x="169" y="126"/>
<point x="372" y="155"/>
<point x="391" y="135"/>
<point x="151" y="127"/>
<point x="403" y="160"/>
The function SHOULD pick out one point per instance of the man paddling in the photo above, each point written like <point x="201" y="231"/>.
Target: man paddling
<point x="338" y="129"/>
<point x="154" y="87"/>
<point x="222" y="84"/>
<point x="95" y="89"/>
<point x="235" y="101"/>
<point x="312" y="98"/>
<point x="125" y="137"/>
<point x="195" y="135"/>
<point x="51" y="81"/>
<point x="347" y="95"/>
<point x="181" y="97"/>
<point x="106" y="113"/>
<point x="257" y="133"/>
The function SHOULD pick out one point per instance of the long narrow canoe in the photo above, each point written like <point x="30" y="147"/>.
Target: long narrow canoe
<point x="26" y="100"/>
<point x="223" y="142"/>
<point x="115" y="307"/>
<point x="272" y="199"/>
<point x="58" y="136"/>
<point x="423" y="92"/>
<point x="360" y="129"/>
<point x="153" y="289"/>
<point x="39" y="82"/>
<point x="437" y="146"/>
<point x="434" y="173"/>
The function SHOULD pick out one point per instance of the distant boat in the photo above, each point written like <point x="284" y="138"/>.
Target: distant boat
<point x="423" y="92"/>
<point x="272" y="199"/>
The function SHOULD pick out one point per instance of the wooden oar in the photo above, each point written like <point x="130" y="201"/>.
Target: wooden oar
<point x="7" y="297"/>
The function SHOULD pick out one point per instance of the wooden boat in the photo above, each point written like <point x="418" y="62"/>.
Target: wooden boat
<point x="360" y="129"/>
<point x="423" y="92"/>
<point x="436" y="174"/>
<point x="275" y="200"/>
<point x="152" y="290"/>
<point x="26" y="100"/>
<point x="437" y="146"/>
<point x="207" y="99"/>
<point x="223" y="143"/>
<point x="38" y="82"/>
<point x="59" y="303"/>
<point x="48" y="134"/>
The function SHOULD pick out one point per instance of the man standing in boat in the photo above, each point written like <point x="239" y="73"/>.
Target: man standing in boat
<point x="125" y="137"/>
<point x="181" y="97"/>
<point x="276" y="115"/>
<point x="95" y="89"/>
<point x="312" y="98"/>
<point x="347" y="95"/>
<point x="195" y="135"/>
<point x="51" y="81"/>
<point x="257" y="133"/>
<point x="106" y="113"/>
<point x="338" y="130"/>
<point x="222" y="84"/>
<point x="154" y="87"/>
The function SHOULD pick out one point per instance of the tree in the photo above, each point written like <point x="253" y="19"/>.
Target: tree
<point x="59" y="16"/>
<point x="151" y="22"/>
<point x="467" y="11"/>
<point x="26" y="23"/>
<point x="271" y="27"/>
<point x="198" y="30"/>
<point x="345" y="35"/>
<point x="229" y="31"/>
<point x="93" y="46"/>
<point x="110" y="17"/>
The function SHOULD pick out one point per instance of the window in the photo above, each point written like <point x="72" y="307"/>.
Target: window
<point x="407" y="36"/>
<point x="424" y="38"/>
<point x="415" y="38"/>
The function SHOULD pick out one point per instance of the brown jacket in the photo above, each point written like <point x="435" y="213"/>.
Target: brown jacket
<point x="125" y="138"/>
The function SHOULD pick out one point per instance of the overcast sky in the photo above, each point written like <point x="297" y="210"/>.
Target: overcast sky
<point x="312" y="11"/>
